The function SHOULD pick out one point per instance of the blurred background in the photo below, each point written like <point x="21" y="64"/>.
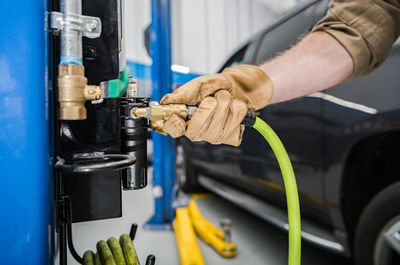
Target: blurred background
<point x="204" y="33"/>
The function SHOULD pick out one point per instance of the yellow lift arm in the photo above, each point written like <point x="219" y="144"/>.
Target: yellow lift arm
<point x="210" y="233"/>
<point x="189" y="220"/>
<point x="189" y="250"/>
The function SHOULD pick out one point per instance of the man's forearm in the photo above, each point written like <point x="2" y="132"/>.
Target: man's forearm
<point x="316" y="63"/>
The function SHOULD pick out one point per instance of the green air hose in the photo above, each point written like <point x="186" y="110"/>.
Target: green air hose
<point x="289" y="179"/>
<point x="292" y="196"/>
<point x="113" y="252"/>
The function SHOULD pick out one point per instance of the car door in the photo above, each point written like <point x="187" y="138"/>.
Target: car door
<point x="253" y="167"/>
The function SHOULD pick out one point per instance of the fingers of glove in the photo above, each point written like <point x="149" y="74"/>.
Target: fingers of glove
<point x="88" y="258"/>
<point x="196" y="90"/>
<point x="233" y="131"/>
<point x="130" y="254"/>
<point x="175" y="126"/>
<point x="97" y="260"/>
<point x="213" y="133"/>
<point x="106" y="255"/>
<point x="201" y="119"/>
<point x="116" y="250"/>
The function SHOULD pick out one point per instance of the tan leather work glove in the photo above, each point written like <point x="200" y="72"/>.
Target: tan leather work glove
<point x="224" y="101"/>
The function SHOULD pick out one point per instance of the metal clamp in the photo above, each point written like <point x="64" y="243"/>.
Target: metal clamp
<point x="106" y="162"/>
<point x="89" y="26"/>
<point x="63" y="210"/>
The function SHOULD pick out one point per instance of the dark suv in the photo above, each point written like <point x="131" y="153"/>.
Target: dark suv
<point x="344" y="144"/>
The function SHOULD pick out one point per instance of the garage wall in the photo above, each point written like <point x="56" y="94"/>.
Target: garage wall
<point x="137" y="18"/>
<point x="204" y="32"/>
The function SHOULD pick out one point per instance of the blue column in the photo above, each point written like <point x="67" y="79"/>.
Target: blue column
<point x="164" y="146"/>
<point x="24" y="134"/>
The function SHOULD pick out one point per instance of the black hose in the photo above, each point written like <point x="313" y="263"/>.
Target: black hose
<point x="63" y="245"/>
<point x="151" y="260"/>
<point x="71" y="247"/>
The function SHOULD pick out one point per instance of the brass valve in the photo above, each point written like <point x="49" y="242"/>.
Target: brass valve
<point x="157" y="114"/>
<point x="74" y="92"/>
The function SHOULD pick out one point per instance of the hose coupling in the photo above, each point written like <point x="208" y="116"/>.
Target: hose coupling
<point x="74" y="92"/>
<point x="157" y="114"/>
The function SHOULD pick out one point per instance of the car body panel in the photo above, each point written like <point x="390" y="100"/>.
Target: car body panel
<point x="253" y="166"/>
<point x="319" y="131"/>
<point x="352" y="112"/>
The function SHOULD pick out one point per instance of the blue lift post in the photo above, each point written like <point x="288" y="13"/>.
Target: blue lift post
<point x="24" y="135"/>
<point x="164" y="146"/>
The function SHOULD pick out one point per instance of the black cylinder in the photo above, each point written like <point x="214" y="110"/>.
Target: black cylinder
<point x="134" y="142"/>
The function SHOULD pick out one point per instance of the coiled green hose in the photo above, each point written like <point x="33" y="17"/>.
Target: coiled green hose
<point x="113" y="252"/>
<point x="292" y="196"/>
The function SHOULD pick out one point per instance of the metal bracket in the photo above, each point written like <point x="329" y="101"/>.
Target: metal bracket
<point x="89" y="26"/>
<point x="64" y="210"/>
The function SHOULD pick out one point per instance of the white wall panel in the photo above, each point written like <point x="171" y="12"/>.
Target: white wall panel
<point x="246" y="24"/>
<point x="204" y="32"/>
<point x="193" y="39"/>
<point x="216" y="31"/>
<point x="137" y="18"/>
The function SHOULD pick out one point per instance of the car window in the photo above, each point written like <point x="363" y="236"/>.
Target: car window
<point x="235" y="59"/>
<point x="279" y="35"/>
<point x="287" y="33"/>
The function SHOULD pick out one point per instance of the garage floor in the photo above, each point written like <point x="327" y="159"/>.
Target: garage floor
<point x="258" y="242"/>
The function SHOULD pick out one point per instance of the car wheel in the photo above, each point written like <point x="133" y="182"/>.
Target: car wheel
<point x="184" y="170"/>
<point x="377" y="240"/>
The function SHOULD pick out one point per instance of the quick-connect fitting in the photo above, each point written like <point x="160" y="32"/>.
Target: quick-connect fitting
<point x="74" y="92"/>
<point x="157" y="114"/>
<point x="162" y="112"/>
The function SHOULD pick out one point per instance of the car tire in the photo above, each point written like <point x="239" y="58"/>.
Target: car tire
<point x="185" y="173"/>
<point x="380" y="216"/>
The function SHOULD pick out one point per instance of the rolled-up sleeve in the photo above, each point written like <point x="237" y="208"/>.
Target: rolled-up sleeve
<point x="367" y="29"/>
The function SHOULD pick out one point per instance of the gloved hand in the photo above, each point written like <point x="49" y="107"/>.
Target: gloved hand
<point x="224" y="101"/>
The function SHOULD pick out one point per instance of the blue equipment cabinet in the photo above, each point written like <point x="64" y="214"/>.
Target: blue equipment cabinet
<point x="24" y="135"/>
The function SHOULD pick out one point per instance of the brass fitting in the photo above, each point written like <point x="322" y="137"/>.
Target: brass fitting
<point x="92" y="92"/>
<point x="158" y="113"/>
<point x="158" y="126"/>
<point x="162" y="112"/>
<point x="140" y="113"/>
<point x="74" y="91"/>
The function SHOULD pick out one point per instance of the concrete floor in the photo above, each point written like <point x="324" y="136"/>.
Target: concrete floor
<point x="258" y="242"/>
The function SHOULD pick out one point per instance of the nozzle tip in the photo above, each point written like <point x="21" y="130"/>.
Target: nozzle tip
<point x="138" y="112"/>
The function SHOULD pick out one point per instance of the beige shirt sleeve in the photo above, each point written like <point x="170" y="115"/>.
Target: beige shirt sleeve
<point x="367" y="29"/>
